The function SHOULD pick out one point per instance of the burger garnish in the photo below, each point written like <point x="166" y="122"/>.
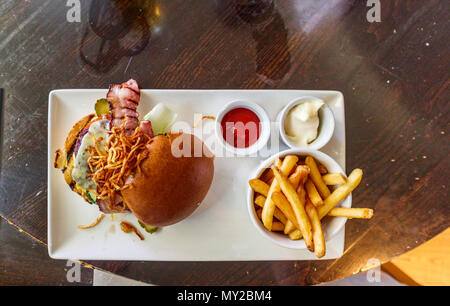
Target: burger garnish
<point x="128" y="228"/>
<point x="118" y="159"/>
<point x="97" y="221"/>
<point x="125" y="165"/>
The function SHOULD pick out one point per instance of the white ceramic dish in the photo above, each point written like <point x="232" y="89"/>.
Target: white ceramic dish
<point x="264" y="132"/>
<point x="331" y="225"/>
<point x="326" y="126"/>
<point x="220" y="229"/>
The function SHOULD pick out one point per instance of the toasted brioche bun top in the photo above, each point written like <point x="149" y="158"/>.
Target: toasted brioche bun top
<point x="170" y="187"/>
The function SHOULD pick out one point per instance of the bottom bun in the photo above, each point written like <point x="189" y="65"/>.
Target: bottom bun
<point x="170" y="187"/>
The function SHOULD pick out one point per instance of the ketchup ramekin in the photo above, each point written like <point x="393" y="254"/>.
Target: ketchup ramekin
<point x="264" y="128"/>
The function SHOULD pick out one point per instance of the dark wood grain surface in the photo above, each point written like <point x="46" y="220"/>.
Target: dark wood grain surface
<point x="394" y="76"/>
<point x="24" y="261"/>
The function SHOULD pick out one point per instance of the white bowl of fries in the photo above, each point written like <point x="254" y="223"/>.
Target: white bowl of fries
<point x="309" y="195"/>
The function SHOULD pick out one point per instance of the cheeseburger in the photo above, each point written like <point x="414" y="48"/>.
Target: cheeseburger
<point x="122" y="164"/>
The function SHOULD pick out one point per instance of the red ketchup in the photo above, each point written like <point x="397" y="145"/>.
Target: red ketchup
<point x="242" y="127"/>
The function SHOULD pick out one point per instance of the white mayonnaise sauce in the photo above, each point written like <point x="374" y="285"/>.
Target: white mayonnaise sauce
<point x="302" y="122"/>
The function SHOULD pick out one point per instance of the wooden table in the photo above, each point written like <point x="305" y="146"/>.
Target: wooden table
<point x="393" y="74"/>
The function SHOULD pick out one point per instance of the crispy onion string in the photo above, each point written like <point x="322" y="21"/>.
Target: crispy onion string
<point x="93" y="223"/>
<point x="120" y="156"/>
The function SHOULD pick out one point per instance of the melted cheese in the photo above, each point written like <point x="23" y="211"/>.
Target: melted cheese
<point x="81" y="171"/>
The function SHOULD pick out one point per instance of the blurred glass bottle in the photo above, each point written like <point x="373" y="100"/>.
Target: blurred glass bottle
<point x="250" y="11"/>
<point x="254" y="11"/>
<point x="125" y="28"/>
<point x="273" y="60"/>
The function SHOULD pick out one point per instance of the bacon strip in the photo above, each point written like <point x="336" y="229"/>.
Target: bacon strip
<point x="124" y="112"/>
<point x="117" y="207"/>
<point x="146" y="128"/>
<point x="123" y="101"/>
<point x="130" y="125"/>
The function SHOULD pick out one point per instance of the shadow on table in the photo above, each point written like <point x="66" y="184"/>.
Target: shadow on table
<point x="272" y="57"/>
<point x="124" y="29"/>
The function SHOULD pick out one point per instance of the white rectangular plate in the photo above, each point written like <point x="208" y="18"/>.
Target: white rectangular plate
<point x="219" y="230"/>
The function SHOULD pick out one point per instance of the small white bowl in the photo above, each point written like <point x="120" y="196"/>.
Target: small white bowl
<point x="326" y="125"/>
<point x="330" y="225"/>
<point x="264" y="128"/>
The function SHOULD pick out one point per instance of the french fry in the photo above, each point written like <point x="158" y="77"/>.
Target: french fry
<point x="277" y="163"/>
<point x="259" y="213"/>
<point x="277" y="226"/>
<point x="318" y="238"/>
<point x="267" y="176"/>
<point x="301" y="193"/>
<point x="289" y="227"/>
<point x="304" y="173"/>
<point x="322" y="169"/>
<point x="316" y="177"/>
<point x="334" y="179"/>
<point x="285" y="207"/>
<point x="340" y="193"/>
<point x="313" y="194"/>
<point x="259" y="186"/>
<point x="277" y="213"/>
<point x="358" y="213"/>
<point x="269" y="207"/>
<point x="298" y="177"/>
<point x="293" y="196"/>
<point x="297" y="206"/>
<point x="295" y="177"/>
<point x="337" y="196"/>
<point x="295" y="235"/>
<point x="260" y="200"/>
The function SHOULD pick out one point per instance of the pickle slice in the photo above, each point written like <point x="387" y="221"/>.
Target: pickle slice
<point x="101" y="107"/>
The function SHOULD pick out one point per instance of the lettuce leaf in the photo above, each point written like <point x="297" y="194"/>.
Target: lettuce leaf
<point x="89" y="197"/>
<point x="161" y="118"/>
